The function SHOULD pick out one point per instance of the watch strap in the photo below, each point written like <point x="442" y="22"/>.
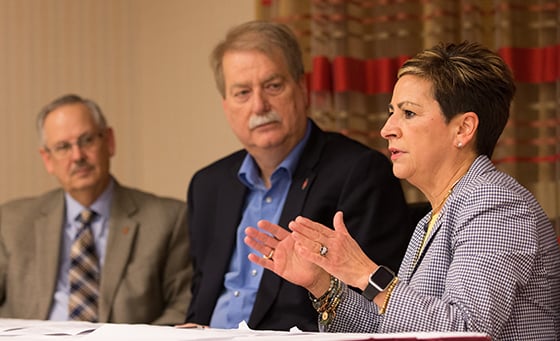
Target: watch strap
<point x="370" y="292"/>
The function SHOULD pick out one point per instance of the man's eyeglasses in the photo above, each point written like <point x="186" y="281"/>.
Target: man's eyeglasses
<point x="85" y="142"/>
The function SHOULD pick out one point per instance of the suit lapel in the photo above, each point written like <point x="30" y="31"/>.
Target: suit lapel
<point x="223" y="237"/>
<point x="304" y="176"/>
<point x="122" y="231"/>
<point x="409" y="260"/>
<point x="417" y="239"/>
<point x="302" y="182"/>
<point x="48" y="232"/>
<point x="409" y="265"/>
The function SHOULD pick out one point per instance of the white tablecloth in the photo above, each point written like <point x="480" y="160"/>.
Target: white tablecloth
<point x="31" y="330"/>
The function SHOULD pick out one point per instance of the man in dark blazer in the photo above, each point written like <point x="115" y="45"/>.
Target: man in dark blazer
<point x="140" y="239"/>
<point x="288" y="167"/>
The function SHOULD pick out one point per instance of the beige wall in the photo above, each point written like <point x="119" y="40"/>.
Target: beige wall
<point x="144" y="61"/>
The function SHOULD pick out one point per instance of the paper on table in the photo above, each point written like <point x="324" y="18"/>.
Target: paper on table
<point x="147" y="332"/>
<point x="140" y="332"/>
<point x="41" y="330"/>
<point x="18" y="327"/>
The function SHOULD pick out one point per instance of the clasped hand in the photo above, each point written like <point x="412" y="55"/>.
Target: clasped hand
<point x="296" y="256"/>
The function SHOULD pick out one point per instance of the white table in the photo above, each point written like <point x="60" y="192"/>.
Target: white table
<point x="31" y="330"/>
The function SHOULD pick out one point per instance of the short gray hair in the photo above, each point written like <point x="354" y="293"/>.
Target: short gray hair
<point x="93" y="107"/>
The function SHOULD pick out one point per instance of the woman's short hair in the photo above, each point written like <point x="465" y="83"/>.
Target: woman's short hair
<point x="468" y="77"/>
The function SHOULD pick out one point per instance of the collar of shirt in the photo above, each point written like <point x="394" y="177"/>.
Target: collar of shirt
<point x="241" y="281"/>
<point x="249" y="173"/>
<point x="102" y="208"/>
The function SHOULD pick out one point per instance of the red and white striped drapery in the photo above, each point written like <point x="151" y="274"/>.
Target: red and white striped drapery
<point x="353" y="48"/>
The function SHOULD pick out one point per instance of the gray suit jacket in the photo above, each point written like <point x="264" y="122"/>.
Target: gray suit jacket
<point x="146" y="276"/>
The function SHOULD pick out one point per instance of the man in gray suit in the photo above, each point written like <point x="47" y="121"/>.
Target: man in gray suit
<point x="140" y="240"/>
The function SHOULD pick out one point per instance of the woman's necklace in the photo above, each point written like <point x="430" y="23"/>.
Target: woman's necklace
<point x="438" y="207"/>
<point x="435" y="212"/>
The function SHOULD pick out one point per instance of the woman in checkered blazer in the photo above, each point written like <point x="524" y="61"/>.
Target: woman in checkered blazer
<point x="485" y="259"/>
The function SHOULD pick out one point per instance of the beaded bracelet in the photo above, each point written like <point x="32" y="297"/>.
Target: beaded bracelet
<point x="334" y="290"/>
<point x="329" y="314"/>
<point x="318" y="302"/>
<point x="388" y="293"/>
<point x="328" y="302"/>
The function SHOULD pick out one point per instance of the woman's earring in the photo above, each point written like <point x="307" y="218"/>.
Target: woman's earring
<point x="459" y="144"/>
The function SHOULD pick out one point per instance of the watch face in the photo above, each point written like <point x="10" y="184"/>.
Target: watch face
<point x="382" y="277"/>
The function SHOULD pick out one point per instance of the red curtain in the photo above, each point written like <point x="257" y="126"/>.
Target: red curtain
<point x="353" y="48"/>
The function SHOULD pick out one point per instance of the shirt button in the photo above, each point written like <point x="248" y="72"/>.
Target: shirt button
<point x="253" y="272"/>
<point x="268" y="200"/>
<point x="236" y="293"/>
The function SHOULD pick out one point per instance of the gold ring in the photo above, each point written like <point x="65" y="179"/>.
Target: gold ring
<point x="269" y="256"/>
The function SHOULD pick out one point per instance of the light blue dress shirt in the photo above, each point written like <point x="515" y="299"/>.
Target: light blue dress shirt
<point x="99" y="228"/>
<point x="242" y="280"/>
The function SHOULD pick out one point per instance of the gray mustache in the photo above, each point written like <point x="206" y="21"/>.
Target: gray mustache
<point x="258" y="120"/>
<point x="80" y="165"/>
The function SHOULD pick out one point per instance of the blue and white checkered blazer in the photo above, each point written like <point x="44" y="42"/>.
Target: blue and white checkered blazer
<point x="491" y="265"/>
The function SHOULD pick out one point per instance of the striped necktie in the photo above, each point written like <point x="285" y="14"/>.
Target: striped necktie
<point x="84" y="273"/>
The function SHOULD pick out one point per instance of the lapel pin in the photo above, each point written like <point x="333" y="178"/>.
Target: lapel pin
<point x="125" y="230"/>
<point x="304" y="185"/>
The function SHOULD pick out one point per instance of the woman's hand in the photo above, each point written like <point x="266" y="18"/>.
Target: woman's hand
<point x="344" y="258"/>
<point x="279" y="256"/>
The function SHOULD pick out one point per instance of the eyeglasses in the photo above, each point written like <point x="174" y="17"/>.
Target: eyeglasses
<point x="85" y="142"/>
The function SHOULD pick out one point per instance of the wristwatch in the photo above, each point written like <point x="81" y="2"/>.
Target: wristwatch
<point x="378" y="281"/>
